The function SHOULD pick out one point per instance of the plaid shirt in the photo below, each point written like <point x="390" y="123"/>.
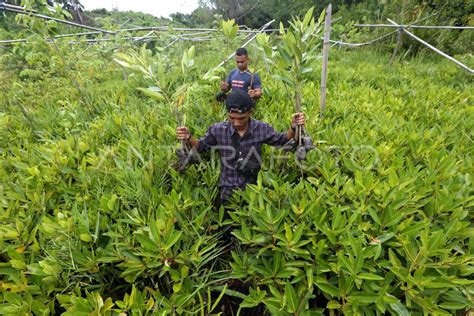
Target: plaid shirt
<point x="219" y="137"/>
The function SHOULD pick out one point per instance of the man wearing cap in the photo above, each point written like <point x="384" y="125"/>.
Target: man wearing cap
<point x="240" y="78"/>
<point x="239" y="142"/>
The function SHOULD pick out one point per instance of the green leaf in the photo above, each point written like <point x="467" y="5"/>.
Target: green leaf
<point x="274" y="307"/>
<point x="216" y="301"/>
<point x="18" y="264"/>
<point x="155" y="231"/>
<point x="146" y="243"/>
<point x="286" y="79"/>
<point x="438" y="284"/>
<point x="415" y="229"/>
<point x="457" y="297"/>
<point x="184" y="271"/>
<point x="383" y="238"/>
<point x="298" y="233"/>
<point x="111" y="202"/>
<point x="175" y="275"/>
<point x="150" y="304"/>
<point x="232" y="292"/>
<point x="13" y="298"/>
<point x="309" y="277"/>
<point x="308" y="17"/>
<point x="370" y="276"/>
<point x="394" y="259"/>
<point x="305" y="70"/>
<point x="177" y="287"/>
<point x="333" y="305"/>
<point x="328" y="288"/>
<point x="85" y="237"/>
<point x="172" y="240"/>
<point x="400" y="309"/>
<point x="452" y="305"/>
<point x="346" y="262"/>
<point x="282" y="29"/>
<point x="123" y="63"/>
<point x="363" y="298"/>
<point x="434" y="241"/>
<point x="285" y="55"/>
<point x="153" y="92"/>
<point x="373" y="213"/>
<point x="291" y="298"/>
<point x="388" y="298"/>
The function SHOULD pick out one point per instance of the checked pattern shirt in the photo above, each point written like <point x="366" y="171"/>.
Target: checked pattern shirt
<point x="219" y="137"/>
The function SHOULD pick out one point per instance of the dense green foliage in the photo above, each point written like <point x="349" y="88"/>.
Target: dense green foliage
<point x="434" y="12"/>
<point x="254" y="13"/>
<point x="96" y="219"/>
<point x="112" y="19"/>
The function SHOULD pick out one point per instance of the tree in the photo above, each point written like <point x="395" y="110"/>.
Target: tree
<point x="254" y="13"/>
<point x="74" y="7"/>
<point x="202" y="16"/>
<point x="229" y="9"/>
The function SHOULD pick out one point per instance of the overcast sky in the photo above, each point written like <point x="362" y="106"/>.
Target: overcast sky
<point x="156" y="7"/>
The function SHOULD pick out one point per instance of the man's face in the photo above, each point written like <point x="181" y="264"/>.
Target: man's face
<point x="242" y="62"/>
<point x="239" y="121"/>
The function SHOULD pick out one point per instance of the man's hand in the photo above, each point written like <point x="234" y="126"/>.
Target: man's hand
<point x="297" y="119"/>
<point x="255" y="93"/>
<point x="182" y="133"/>
<point x="224" y="86"/>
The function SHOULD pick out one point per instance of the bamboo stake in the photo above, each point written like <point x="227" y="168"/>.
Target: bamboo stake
<point x="4" y="5"/>
<point x="471" y="71"/>
<point x="327" y="31"/>
<point x="22" y="11"/>
<point x="441" y="27"/>
<point x="174" y="41"/>
<point x="166" y="28"/>
<point x="362" y="44"/>
<point x="399" y="44"/>
<point x="183" y="36"/>
<point x="13" y="41"/>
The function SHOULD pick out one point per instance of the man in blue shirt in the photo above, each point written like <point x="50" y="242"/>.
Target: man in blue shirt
<point x="239" y="142"/>
<point x="241" y="79"/>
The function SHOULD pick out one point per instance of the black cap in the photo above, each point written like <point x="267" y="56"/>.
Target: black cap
<point x="239" y="101"/>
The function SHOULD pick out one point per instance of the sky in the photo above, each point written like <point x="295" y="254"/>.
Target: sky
<point x="156" y="7"/>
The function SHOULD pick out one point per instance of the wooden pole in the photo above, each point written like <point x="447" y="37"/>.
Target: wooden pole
<point x="399" y="44"/>
<point x="435" y="49"/>
<point x="326" y="43"/>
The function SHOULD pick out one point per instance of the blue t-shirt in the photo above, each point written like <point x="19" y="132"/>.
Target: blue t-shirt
<point x="241" y="80"/>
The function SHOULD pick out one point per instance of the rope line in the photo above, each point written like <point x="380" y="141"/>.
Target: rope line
<point x="341" y="43"/>
<point x="441" y="27"/>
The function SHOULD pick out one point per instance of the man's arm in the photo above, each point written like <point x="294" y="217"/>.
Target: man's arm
<point x="183" y="133"/>
<point x="255" y="91"/>
<point x="279" y="139"/>
<point x="225" y="86"/>
<point x="202" y="145"/>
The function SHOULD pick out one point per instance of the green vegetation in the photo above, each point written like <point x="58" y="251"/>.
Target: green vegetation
<point x="95" y="219"/>
<point x="254" y="13"/>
